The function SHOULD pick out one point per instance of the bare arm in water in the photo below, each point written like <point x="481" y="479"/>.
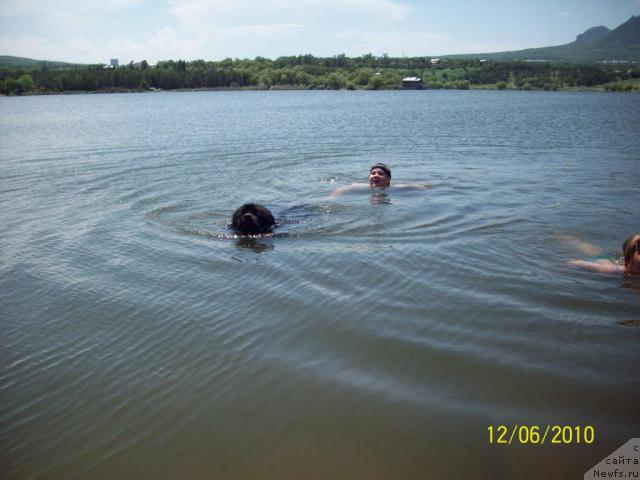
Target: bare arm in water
<point x="346" y="189"/>
<point x="601" y="266"/>
<point x="363" y="186"/>
<point x="631" y="255"/>
<point x="412" y="186"/>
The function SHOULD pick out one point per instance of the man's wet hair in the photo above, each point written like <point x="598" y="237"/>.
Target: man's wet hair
<point x="384" y="167"/>
<point x="629" y="247"/>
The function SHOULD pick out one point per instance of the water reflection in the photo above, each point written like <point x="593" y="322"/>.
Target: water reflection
<point x="632" y="283"/>
<point x="254" y="243"/>
<point x="380" y="198"/>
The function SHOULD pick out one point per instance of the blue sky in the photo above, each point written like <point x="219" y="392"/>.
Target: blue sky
<point x="93" y="31"/>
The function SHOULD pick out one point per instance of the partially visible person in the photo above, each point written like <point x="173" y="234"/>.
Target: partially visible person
<point x="631" y="265"/>
<point x="379" y="178"/>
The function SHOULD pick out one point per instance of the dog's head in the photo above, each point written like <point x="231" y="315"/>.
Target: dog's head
<point x="252" y="219"/>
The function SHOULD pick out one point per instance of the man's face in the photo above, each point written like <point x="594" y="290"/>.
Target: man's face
<point x="378" y="178"/>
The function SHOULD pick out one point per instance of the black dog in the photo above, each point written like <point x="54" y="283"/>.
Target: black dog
<point x="252" y="219"/>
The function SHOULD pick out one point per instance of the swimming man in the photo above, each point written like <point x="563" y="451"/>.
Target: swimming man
<point x="379" y="178"/>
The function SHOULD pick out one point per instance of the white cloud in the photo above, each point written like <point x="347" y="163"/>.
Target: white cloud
<point x="480" y="47"/>
<point x="77" y="30"/>
<point x="79" y="43"/>
<point x="91" y="31"/>
<point x="165" y="44"/>
<point x="25" y="46"/>
<point x="393" y="10"/>
<point x="278" y="28"/>
<point x="199" y="13"/>
<point x="413" y="44"/>
<point x="73" y="7"/>
<point x="66" y="22"/>
<point x="566" y="14"/>
<point x="394" y="43"/>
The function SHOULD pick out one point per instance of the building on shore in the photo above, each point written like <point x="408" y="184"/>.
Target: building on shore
<point x="412" y="83"/>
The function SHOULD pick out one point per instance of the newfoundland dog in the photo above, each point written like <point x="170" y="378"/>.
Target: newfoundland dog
<point x="252" y="219"/>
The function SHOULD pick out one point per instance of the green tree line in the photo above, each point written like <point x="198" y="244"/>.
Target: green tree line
<point x="309" y="72"/>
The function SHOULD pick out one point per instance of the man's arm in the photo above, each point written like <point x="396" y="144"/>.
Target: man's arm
<point x="348" y="188"/>
<point x="601" y="266"/>
<point x="412" y="186"/>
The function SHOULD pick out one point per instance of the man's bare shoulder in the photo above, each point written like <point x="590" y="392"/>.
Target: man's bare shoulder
<point x="348" y="188"/>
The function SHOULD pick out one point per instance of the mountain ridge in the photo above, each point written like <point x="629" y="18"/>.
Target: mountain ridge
<point x="596" y="44"/>
<point x="592" y="33"/>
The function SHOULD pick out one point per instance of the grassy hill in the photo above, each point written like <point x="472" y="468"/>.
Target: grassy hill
<point x="20" y="62"/>
<point x="597" y="44"/>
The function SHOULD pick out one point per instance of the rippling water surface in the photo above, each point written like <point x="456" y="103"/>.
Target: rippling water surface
<point x="373" y="336"/>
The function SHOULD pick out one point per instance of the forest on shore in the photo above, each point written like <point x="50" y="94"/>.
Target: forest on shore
<point x="308" y="72"/>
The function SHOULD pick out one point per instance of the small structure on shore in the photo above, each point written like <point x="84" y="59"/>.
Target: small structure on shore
<point x="412" y="83"/>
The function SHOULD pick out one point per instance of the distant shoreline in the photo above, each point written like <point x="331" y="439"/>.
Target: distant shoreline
<point x="310" y="73"/>
<point x="295" y="88"/>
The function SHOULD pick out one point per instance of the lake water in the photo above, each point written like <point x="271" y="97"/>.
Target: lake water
<point x="373" y="336"/>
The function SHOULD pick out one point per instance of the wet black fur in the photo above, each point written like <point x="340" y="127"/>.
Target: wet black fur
<point x="252" y="219"/>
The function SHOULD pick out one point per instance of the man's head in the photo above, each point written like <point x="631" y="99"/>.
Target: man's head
<point x="252" y="219"/>
<point x="631" y="250"/>
<point x="379" y="176"/>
